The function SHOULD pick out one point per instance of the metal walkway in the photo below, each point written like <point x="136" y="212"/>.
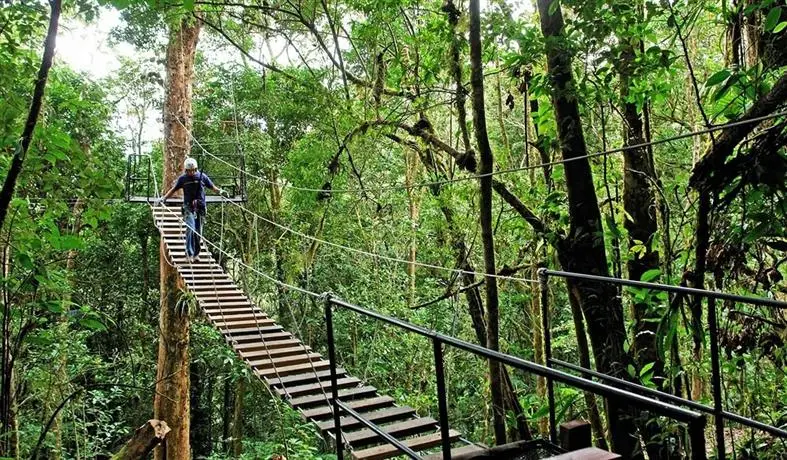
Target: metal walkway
<point x="290" y="368"/>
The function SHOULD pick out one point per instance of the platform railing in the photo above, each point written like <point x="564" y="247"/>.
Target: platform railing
<point x="717" y="409"/>
<point x="694" y="421"/>
<point x="139" y="176"/>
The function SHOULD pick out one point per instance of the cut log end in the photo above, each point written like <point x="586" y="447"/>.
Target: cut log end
<point x="145" y="439"/>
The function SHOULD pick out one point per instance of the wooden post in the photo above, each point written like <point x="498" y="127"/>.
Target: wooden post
<point x="575" y="435"/>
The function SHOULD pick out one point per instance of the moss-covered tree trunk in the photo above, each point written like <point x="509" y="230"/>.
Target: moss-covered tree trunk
<point x="172" y="379"/>
<point x="583" y="250"/>
<point x="485" y="208"/>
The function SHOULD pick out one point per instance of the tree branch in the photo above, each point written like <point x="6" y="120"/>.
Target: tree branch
<point x="35" y="108"/>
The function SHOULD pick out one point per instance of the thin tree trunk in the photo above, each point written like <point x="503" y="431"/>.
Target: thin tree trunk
<point x="487" y="231"/>
<point x="583" y="251"/>
<point x="501" y="117"/>
<point x="456" y="70"/>
<point x="583" y="350"/>
<point x="226" y="417"/>
<point x="6" y="390"/>
<point x="237" y="418"/>
<point x="200" y="419"/>
<point x="538" y="344"/>
<point x="172" y="377"/>
<point x="700" y="256"/>
<point x="413" y="207"/>
<point x="144" y="246"/>
<point x="9" y="185"/>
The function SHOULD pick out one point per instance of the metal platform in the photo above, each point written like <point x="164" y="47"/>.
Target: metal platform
<point x="178" y="201"/>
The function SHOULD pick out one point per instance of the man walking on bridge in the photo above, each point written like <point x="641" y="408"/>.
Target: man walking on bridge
<point x="193" y="182"/>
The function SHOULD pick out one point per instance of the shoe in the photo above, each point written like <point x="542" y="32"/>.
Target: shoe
<point x="195" y="258"/>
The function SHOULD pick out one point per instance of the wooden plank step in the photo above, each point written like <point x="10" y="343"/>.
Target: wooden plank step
<point x="270" y="339"/>
<point x="366" y="436"/>
<point x="214" y="302"/>
<point x="210" y="297"/>
<point x="282" y="351"/>
<point x="188" y="272"/>
<point x="248" y="316"/>
<point x="206" y="270"/>
<point x="588" y="453"/>
<point x="371" y="403"/>
<point x="270" y="344"/>
<point x="215" y="290"/>
<point x="347" y="393"/>
<point x="217" y="307"/>
<point x="292" y="370"/>
<point x="208" y="276"/>
<point x="314" y="388"/>
<point x="210" y="280"/>
<point x="388" y="451"/>
<point x="304" y="377"/>
<point x="285" y="360"/>
<point x="252" y="331"/>
<point x="379" y="416"/>
<point x="219" y="317"/>
<point x="240" y="324"/>
<point x="226" y="313"/>
<point x="272" y="352"/>
<point x="464" y="450"/>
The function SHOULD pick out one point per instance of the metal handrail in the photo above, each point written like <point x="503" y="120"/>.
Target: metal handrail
<point x="717" y="410"/>
<point x="695" y="421"/>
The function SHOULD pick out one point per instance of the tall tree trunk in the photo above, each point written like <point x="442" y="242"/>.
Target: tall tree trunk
<point x="20" y="152"/>
<point x="172" y="378"/>
<point x="487" y="232"/>
<point x="639" y="202"/>
<point x="237" y="418"/>
<point x="583" y="251"/>
<point x="7" y="192"/>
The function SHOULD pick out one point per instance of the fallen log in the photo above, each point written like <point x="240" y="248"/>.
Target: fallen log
<point x="145" y="439"/>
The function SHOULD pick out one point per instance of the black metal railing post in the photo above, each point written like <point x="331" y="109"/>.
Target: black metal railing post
<point x="718" y="403"/>
<point x="337" y="421"/>
<point x="543" y="283"/>
<point x="697" y="438"/>
<point x="128" y="177"/>
<point x="147" y="196"/>
<point x="441" y="397"/>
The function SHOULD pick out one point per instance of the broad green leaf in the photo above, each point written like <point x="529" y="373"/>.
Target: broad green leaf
<point x="650" y="275"/>
<point x="773" y="18"/>
<point x="718" y="77"/>
<point x="779" y="27"/>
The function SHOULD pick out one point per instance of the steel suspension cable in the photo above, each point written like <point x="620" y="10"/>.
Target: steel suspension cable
<point x="665" y="140"/>
<point x="458" y="271"/>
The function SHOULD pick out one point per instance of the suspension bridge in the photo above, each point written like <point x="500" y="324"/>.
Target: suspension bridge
<point x="358" y="418"/>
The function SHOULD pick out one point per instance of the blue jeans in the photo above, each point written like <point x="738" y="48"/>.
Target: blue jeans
<point x="193" y="221"/>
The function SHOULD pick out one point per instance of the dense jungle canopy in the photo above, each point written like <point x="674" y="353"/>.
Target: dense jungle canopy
<point x="420" y="158"/>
